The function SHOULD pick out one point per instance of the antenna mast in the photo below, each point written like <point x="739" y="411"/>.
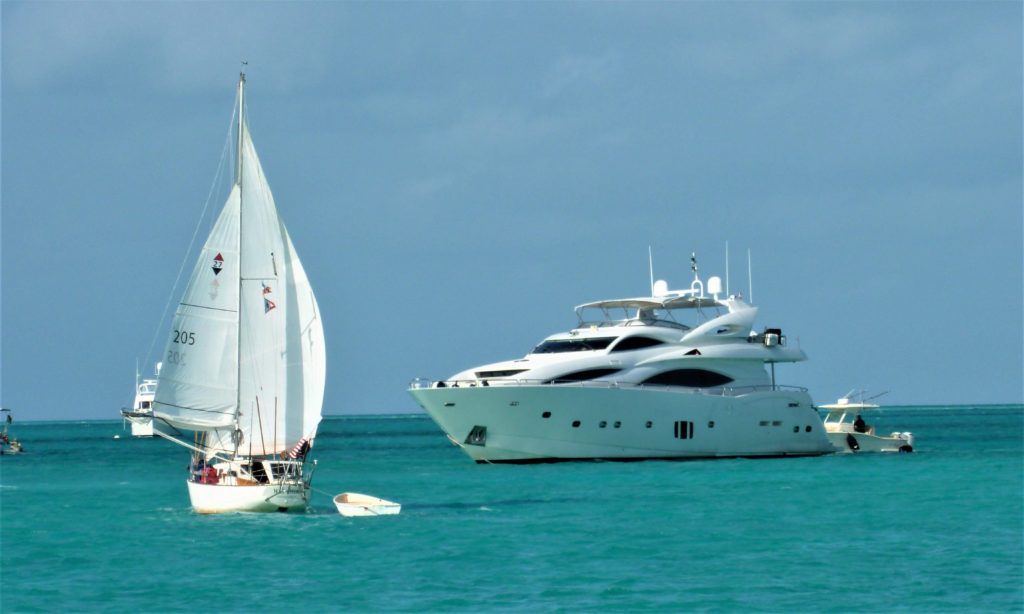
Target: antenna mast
<point x="750" y="280"/>
<point x="727" y="269"/>
<point x="650" y="267"/>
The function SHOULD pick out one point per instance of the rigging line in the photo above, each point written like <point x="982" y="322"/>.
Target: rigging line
<point x="188" y="252"/>
<point x="259" y="418"/>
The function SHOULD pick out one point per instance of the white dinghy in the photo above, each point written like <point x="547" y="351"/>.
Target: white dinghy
<point x="355" y="504"/>
<point x="244" y="367"/>
<point x="848" y="432"/>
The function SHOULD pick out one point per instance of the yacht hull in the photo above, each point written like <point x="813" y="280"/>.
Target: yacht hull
<point x="221" y="498"/>
<point x="545" y="423"/>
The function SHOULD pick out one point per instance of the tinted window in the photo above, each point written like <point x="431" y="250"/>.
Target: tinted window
<point x="690" y="378"/>
<point x="508" y="373"/>
<point x="573" y="345"/>
<point x="582" y="376"/>
<point x="636" y="343"/>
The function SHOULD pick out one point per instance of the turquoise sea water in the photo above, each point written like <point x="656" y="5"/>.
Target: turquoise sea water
<point x="90" y="523"/>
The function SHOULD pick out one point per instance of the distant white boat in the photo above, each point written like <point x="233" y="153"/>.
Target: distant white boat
<point x="245" y="365"/>
<point x="141" y="414"/>
<point x="846" y="429"/>
<point x="355" y="504"/>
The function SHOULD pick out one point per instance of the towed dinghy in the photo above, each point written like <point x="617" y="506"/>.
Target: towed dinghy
<point x="355" y="504"/>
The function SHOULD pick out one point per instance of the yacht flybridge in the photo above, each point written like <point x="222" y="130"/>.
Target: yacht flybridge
<point x="678" y="374"/>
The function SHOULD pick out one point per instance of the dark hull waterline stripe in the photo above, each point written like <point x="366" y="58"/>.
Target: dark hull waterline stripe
<point x="636" y="459"/>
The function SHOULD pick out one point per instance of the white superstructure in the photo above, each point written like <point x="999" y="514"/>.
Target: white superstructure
<point x="678" y="374"/>
<point x="244" y="367"/>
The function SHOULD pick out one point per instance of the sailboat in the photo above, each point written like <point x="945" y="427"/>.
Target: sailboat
<point x="243" y="373"/>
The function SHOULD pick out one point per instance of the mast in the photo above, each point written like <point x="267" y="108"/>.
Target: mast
<point x="238" y="313"/>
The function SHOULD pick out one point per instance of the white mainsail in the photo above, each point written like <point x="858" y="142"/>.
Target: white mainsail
<point x="245" y="361"/>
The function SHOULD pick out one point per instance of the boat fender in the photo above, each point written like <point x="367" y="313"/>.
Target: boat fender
<point x="906" y="448"/>
<point x="851" y="441"/>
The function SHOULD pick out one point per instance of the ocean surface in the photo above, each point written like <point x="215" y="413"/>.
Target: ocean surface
<point x="89" y="523"/>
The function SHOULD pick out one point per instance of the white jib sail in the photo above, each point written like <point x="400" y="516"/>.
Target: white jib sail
<point x="278" y="383"/>
<point x="197" y="387"/>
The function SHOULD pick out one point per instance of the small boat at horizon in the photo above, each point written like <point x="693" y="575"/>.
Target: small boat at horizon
<point x="636" y="382"/>
<point x="242" y="381"/>
<point x="8" y="446"/>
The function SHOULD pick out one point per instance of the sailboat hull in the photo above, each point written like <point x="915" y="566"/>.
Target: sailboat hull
<point x="221" y="498"/>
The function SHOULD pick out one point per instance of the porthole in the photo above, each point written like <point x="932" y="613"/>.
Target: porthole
<point x="575" y="424"/>
<point x="603" y="424"/>
<point x="649" y="424"/>
<point x="617" y="424"/>
<point x="808" y="428"/>
<point x="711" y="424"/>
<point x="546" y="414"/>
<point x="796" y="429"/>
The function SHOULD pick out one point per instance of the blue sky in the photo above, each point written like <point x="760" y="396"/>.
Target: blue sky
<point x="457" y="176"/>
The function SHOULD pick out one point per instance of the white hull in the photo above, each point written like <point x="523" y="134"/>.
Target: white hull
<point x="609" y="422"/>
<point x="355" y="504"/>
<point x="864" y="442"/>
<point x="142" y="427"/>
<point x="220" y="498"/>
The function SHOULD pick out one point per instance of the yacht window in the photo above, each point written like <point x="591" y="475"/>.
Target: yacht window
<point x="690" y="378"/>
<point x="636" y="342"/>
<point x="582" y="376"/>
<point x="557" y="346"/>
<point x="507" y="373"/>
<point x="145" y="404"/>
<point x="575" y="424"/>
<point x="546" y="414"/>
<point x="683" y="429"/>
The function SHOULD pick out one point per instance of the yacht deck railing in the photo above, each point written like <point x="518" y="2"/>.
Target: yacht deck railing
<point x="725" y="391"/>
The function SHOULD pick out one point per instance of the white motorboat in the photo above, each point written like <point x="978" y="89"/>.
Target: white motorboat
<point x="141" y="414"/>
<point x="244" y="366"/>
<point x="640" y="385"/>
<point x="849" y="433"/>
<point x="355" y="504"/>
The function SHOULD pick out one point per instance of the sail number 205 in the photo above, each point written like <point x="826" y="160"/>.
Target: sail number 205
<point x="184" y="338"/>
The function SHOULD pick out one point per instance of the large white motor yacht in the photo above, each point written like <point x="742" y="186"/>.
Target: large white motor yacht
<point x="642" y="380"/>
